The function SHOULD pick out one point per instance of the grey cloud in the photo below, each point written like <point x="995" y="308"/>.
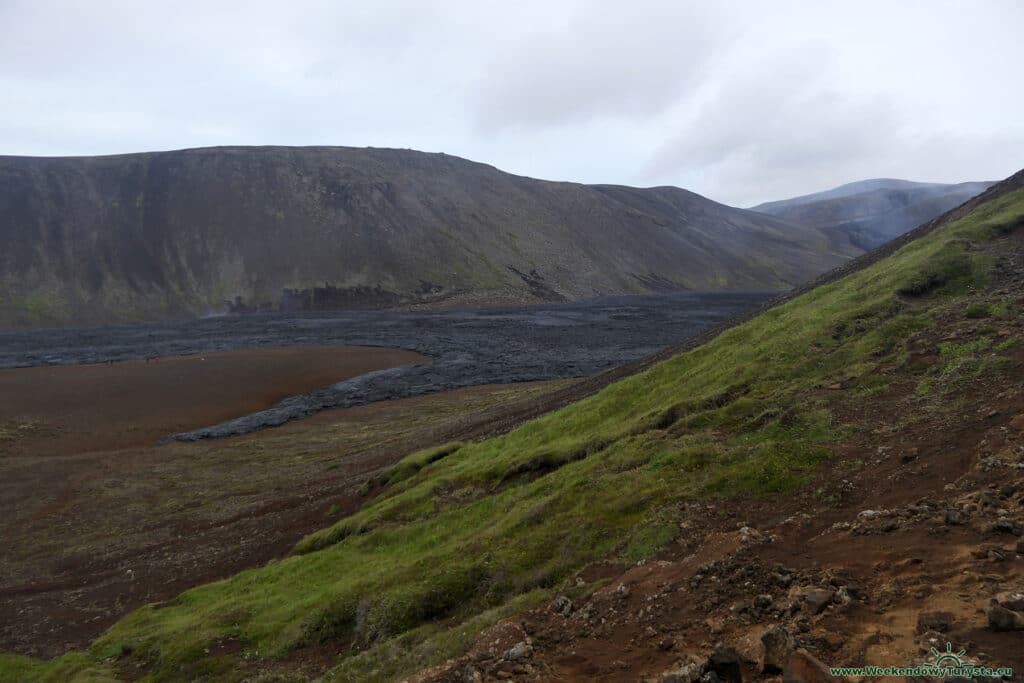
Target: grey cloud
<point x="739" y="101"/>
<point x="630" y="61"/>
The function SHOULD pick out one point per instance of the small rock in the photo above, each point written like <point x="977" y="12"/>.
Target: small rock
<point x="1004" y="525"/>
<point x="1011" y="600"/>
<point x="763" y="601"/>
<point x="666" y="644"/>
<point x="817" y="599"/>
<point x="725" y="662"/>
<point x="688" y="670"/>
<point x="622" y="591"/>
<point x="803" y="667"/>
<point x="871" y="514"/>
<point x="562" y="605"/>
<point x="783" y="580"/>
<point x="518" y="652"/>
<point x="954" y="517"/>
<point x="1002" y="619"/>
<point x="934" y="621"/>
<point x="778" y="648"/>
<point x="750" y="535"/>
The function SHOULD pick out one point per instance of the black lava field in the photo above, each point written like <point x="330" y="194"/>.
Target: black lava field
<point x="468" y="348"/>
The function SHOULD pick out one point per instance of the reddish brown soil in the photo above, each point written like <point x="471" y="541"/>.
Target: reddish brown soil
<point x="91" y="536"/>
<point x="80" y="408"/>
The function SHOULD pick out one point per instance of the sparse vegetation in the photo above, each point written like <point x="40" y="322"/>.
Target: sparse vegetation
<point x="13" y="430"/>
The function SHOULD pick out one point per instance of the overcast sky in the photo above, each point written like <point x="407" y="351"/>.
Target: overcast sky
<point x="739" y="101"/>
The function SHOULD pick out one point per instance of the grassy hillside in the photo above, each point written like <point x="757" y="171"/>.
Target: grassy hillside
<point x="144" y="236"/>
<point x="467" y="533"/>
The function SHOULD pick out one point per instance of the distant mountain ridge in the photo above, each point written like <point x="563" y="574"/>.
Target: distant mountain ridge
<point x="93" y="240"/>
<point x="872" y="212"/>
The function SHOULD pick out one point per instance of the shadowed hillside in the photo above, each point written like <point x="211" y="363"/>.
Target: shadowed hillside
<point x="143" y="236"/>
<point x="871" y="212"/>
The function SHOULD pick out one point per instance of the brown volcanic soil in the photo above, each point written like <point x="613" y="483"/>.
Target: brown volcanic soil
<point x="64" y="410"/>
<point x="91" y="535"/>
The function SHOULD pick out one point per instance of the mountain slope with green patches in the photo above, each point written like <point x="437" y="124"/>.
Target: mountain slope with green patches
<point x="462" y="536"/>
<point x="171" y="234"/>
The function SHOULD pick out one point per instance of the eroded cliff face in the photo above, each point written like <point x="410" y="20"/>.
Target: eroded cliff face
<point x="170" y="234"/>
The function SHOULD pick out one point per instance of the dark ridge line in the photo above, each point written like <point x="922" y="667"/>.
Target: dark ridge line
<point x="513" y="416"/>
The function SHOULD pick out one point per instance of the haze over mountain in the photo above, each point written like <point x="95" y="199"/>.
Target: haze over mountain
<point x="872" y="212"/>
<point x="101" y="239"/>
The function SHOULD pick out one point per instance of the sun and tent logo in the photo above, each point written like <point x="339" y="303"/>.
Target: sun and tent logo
<point x="947" y="659"/>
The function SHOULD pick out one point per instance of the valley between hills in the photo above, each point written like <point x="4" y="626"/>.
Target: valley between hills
<point x="832" y="478"/>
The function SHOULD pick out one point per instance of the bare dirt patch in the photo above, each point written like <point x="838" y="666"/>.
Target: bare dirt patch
<point x="98" y="519"/>
<point x="63" y="410"/>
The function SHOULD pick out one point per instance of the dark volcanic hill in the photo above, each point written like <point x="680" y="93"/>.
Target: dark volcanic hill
<point x="872" y="212"/>
<point x="100" y="239"/>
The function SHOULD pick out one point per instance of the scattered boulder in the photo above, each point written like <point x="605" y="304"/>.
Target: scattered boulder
<point x="750" y="535"/>
<point x="954" y="517"/>
<point x="688" y="670"/>
<point x="934" y="621"/>
<point x="817" y="599"/>
<point x="803" y="667"/>
<point x="725" y="662"/>
<point x="783" y="579"/>
<point x="562" y="605"/>
<point x="519" y="652"/>
<point x="1002" y="619"/>
<point x="779" y="646"/>
<point x="1012" y="600"/>
<point x="1005" y="525"/>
